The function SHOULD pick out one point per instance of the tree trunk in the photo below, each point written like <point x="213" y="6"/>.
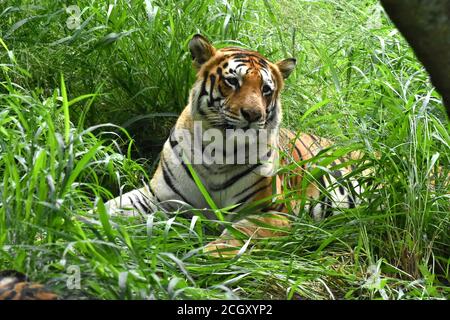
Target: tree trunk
<point x="426" y="26"/>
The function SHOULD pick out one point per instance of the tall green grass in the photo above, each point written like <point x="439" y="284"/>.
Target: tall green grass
<point x="124" y="50"/>
<point x="64" y="93"/>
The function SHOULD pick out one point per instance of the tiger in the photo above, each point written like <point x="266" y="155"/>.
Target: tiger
<point x="237" y="90"/>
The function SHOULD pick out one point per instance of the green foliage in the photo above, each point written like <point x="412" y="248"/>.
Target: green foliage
<point x="127" y="65"/>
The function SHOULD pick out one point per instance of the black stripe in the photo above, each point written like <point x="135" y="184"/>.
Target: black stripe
<point x="249" y="187"/>
<point x="274" y="207"/>
<point x="10" y="295"/>
<point x="172" y="140"/>
<point x="298" y="151"/>
<point x="262" y="62"/>
<point x="329" y="206"/>
<point x="351" y="201"/>
<point x="186" y="169"/>
<point x="313" y="138"/>
<point x="234" y="179"/>
<point x="151" y="191"/>
<point x="143" y="201"/>
<point x="132" y="203"/>
<point x="244" y="200"/>
<point x="272" y="113"/>
<point x="258" y="62"/>
<point x="158" y="199"/>
<point x="252" y="60"/>
<point x="271" y="103"/>
<point x="243" y="60"/>
<point x="203" y="87"/>
<point x="269" y="153"/>
<point x="278" y="207"/>
<point x="337" y="174"/>
<point x="326" y="204"/>
<point x="244" y="54"/>
<point x="211" y="90"/>
<point x="154" y="193"/>
<point x="145" y="206"/>
<point x="142" y="210"/>
<point x="301" y="141"/>
<point x="251" y="194"/>
<point x="167" y="175"/>
<point x="322" y="181"/>
<point x="203" y="92"/>
<point x="316" y="141"/>
<point x="239" y="55"/>
<point x="173" y="144"/>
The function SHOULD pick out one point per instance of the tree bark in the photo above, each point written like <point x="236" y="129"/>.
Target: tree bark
<point x="425" y="24"/>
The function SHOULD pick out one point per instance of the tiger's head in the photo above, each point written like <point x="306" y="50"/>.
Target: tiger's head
<point x="236" y="88"/>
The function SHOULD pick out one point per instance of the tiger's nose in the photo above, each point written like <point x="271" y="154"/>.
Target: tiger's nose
<point x="251" y="114"/>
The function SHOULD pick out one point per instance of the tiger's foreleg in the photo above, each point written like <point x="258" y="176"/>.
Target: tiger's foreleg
<point x="264" y="225"/>
<point x="253" y="227"/>
<point x="134" y="203"/>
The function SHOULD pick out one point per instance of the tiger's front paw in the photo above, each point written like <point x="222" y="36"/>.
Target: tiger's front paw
<point x="223" y="248"/>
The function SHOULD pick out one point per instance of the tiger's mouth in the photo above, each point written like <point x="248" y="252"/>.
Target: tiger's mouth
<point x="221" y="117"/>
<point x="244" y="127"/>
<point x="235" y="122"/>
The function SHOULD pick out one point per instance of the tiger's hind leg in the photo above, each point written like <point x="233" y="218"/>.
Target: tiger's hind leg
<point x="329" y="196"/>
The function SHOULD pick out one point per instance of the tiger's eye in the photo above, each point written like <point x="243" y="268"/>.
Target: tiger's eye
<point x="267" y="89"/>
<point x="232" y="82"/>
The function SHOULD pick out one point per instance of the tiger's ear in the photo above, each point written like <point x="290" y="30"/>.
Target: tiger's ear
<point x="201" y="50"/>
<point x="286" y="66"/>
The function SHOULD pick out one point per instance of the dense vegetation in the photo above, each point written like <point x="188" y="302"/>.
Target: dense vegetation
<point x="84" y="110"/>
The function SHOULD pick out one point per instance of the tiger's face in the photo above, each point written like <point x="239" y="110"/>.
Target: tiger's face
<point x="236" y="88"/>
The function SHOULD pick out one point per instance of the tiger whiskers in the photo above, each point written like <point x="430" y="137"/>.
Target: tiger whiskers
<point x="231" y="115"/>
